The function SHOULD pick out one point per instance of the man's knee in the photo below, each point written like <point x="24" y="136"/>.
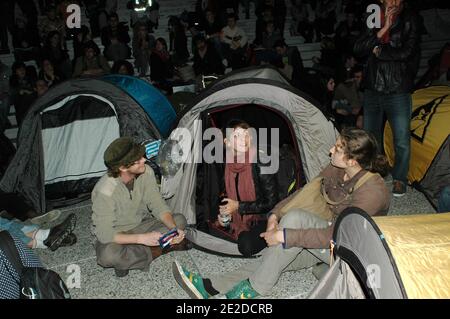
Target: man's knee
<point x="301" y="219"/>
<point x="108" y="255"/>
<point x="180" y="221"/>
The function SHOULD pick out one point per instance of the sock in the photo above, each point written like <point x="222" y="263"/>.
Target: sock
<point x="41" y="234"/>
<point x="40" y="244"/>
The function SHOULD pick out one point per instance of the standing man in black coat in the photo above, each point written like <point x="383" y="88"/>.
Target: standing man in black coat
<point x="393" y="56"/>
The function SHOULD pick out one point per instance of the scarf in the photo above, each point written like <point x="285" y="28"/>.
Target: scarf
<point x="241" y="165"/>
<point x="163" y="55"/>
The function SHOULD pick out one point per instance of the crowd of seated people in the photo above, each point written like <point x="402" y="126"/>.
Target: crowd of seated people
<point x="219" y="44"/>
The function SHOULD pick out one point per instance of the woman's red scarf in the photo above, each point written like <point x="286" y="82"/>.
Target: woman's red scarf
<point x="163" y="55"/>
<point x="242" y="165"/>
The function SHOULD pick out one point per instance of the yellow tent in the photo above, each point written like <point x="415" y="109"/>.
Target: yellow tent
<point x="388" y="257"/>
<point x="420" y="245"/>
<point x="429" y="167"/>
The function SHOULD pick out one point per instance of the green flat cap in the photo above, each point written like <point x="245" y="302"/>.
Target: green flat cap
<point x="123" y="151"/>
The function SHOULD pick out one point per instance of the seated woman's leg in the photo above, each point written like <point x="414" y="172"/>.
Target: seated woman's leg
<point x="298" y="218"/>
<point x="264" y="272"/>
<point x="250" y="243"/>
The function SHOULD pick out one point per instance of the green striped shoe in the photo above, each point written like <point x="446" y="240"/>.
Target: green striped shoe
<point x="242" y="290"/>
<point x="191" y="283"/>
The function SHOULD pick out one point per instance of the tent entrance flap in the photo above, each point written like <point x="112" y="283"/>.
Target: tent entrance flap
<point x="73" y="160"/>
<point x="339" y="282"/>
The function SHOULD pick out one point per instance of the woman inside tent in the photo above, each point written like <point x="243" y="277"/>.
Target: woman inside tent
<point x="249" y="194"/>
<point x="298" y="238"/>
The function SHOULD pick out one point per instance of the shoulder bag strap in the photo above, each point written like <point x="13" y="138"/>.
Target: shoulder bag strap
<point x="358" y="184"/>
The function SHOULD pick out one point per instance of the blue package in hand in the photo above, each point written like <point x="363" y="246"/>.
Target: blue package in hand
<point x="165" y="240"/>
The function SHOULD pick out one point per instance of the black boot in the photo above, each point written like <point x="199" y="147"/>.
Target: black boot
<point x="59" y="233"/>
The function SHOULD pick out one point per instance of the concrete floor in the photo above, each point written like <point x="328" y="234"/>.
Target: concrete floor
<point x="96" y="282"/>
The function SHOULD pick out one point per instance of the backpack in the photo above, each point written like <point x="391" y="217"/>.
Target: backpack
<point x="35" y="282"/>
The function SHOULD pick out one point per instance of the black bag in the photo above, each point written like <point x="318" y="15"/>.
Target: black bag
<point x="7" y="153"/>
<point x="286" y="175"/>
<point x="35" y="282"/>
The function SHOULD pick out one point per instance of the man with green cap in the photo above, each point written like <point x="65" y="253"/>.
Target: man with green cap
<point x="121" y="202"/>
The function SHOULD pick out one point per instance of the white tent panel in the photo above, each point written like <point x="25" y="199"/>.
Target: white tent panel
<point x="80" y="155"/>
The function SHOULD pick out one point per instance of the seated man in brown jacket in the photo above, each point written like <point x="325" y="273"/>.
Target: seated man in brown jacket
<point x="121" y="202"/>
<point x="300" y="238"/>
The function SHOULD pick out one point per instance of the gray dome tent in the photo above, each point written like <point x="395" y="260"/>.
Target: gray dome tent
<point x="63" y="137"/>
<point x="264" y="98"/>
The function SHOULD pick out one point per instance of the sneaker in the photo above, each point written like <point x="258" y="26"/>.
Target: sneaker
<point x="242" y="290"/>
<point x="121" y="273"/>
<point x="399" y="189"/>
<point x="46" y="218"/>
<point x="190" y="282"/>
<point x="60" y="232"/>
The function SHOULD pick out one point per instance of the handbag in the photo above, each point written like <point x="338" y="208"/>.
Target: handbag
<point x="34" y="282"/>
<point x="314" y="199"/>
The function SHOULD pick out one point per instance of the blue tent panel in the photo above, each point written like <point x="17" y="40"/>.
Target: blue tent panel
<point x="154" y="103"/>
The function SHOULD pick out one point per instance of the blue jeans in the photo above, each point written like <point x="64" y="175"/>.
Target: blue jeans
<point x="397" y="108"/>
<point x="444" y="200"/>
<point x="17" y="229"/>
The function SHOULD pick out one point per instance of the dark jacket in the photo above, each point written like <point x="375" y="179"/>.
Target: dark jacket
<point x="394" y="70"/>
<point x="294" y="59"/>
<point x="209" y="64"/>
<point x="266" y="189"/>
<point x="160" y="70"/>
